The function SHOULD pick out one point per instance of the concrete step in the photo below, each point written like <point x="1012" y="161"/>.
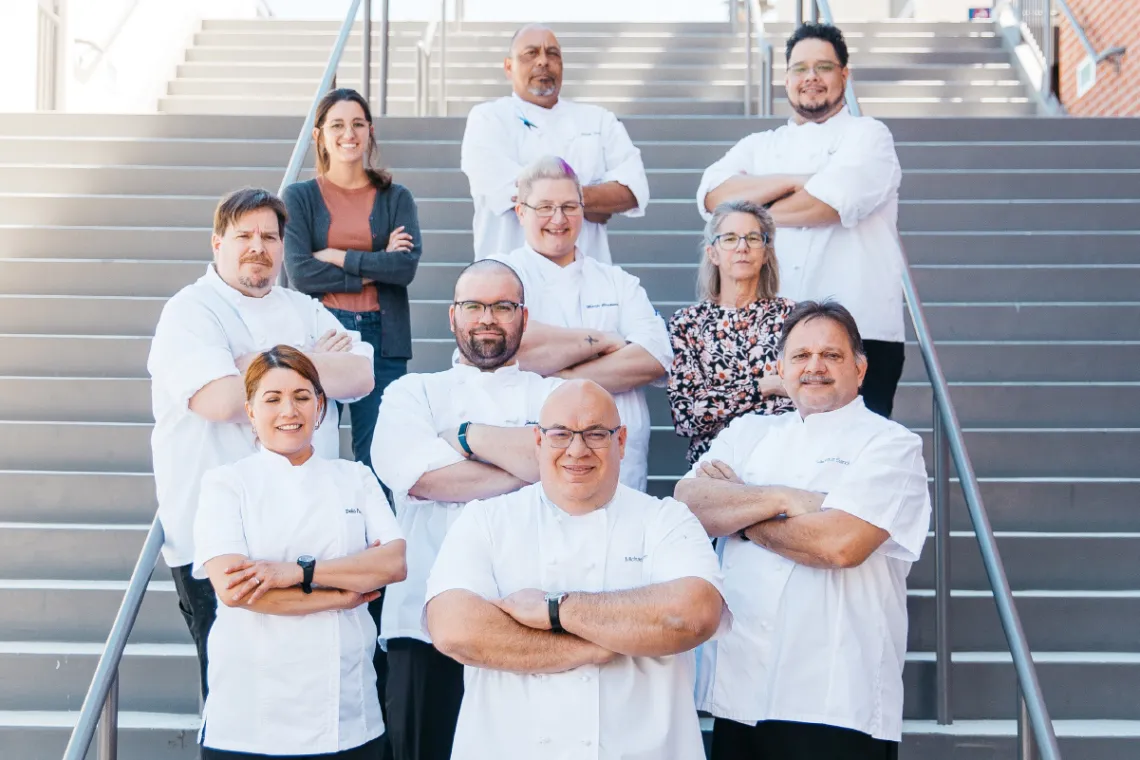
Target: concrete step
<point x="469" y="87"/>
<point x="43" y="735"/>
<point x="114" y="498"/>
<point x="161" y="677"/>
<point x="663" y="283"/>
<point x="629" y="247"/>
<point x="30" y="611"/>
<point x="678" y="215"/>
<point x="996" y="452"/>
<point x="659" y="154"/>
<point x="504" y="29"/>
<point x="918" y="184"/>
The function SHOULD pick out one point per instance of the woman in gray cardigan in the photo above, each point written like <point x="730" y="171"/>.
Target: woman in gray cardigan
<point x="353" y="242"/>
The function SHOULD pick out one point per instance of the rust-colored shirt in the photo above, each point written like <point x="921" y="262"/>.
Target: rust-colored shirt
<point x="350" y="229"/>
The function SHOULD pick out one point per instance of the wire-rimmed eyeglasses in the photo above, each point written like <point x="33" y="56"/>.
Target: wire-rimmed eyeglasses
<point x="595" y="437"/>
<point x="501" y="311"/>
<point x="730" y="241"/>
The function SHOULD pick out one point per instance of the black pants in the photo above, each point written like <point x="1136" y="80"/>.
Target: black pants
<point x="884" y="368"/>
<point x="199" y="606"/>
<point x="385" y="370"/>
<point x="368" y="751"/>
<point x="425" y="689"/>
<point x="783" y="740"/>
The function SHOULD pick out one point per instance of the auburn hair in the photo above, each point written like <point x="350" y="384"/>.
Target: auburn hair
<point x="285" y="357"/>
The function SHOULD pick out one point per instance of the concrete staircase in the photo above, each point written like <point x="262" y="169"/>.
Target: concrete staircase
<point x="904" y="68"/>
<point x="1025" y="240"/>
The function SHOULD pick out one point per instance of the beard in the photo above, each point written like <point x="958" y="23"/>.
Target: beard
<point x="814" y="112"/>
<point x="489" y="353"/>
<point x="541" y="91"/>
<point x="254" y="283"/>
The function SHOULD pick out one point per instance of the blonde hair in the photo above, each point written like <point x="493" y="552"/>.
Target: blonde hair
<point x="708" y="274"/>
<point x="547" y="167"/>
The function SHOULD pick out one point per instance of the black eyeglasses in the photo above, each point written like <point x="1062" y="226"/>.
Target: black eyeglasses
<point x="547" y="210"/>
<point x="501" y="311"/>
<point x="594" y="438"/>
<point x="730" y="241"/>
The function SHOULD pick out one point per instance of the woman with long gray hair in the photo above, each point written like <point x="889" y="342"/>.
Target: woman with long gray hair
<point x="724" y="346"/>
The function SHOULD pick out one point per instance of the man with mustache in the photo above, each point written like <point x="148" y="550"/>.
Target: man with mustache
<point x="206" y="337"/>
<point x="451" y="437"/>
<point x="830" y="181"/>
<point x="504" y="135"/>
<point x="818" y="515"/>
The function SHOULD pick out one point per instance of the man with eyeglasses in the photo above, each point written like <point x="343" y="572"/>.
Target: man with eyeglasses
<point x="830" y="181"/>
<point x="588" y="320"/>
<point x="451" y="437"/>
<point x="575" y="604"/>
<point x="504" y="135"/>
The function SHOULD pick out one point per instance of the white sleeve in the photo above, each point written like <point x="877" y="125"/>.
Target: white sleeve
<point x="406" y="444"/>
<point x="465" y="559"/>
<point x="640" y="323"/>
<point x="735" y="443"/>
<point x="683" y="549"/>
<point x="218" y="527"/>
<point x="189" y="351"/>
<point x="886" y="486"/>
<point x="623" y="162"/>
<point x="379" y="521"/>
<point x="491" y="169"/>
<point x="740" y="159"/>
<point x="322" y="321"/>
<point x="861" y="175"/>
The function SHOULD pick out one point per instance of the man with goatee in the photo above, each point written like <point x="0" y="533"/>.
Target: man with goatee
<point x="449" y="438"/>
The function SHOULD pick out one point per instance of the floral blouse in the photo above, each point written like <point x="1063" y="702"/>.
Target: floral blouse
<point x="719" y="355"/>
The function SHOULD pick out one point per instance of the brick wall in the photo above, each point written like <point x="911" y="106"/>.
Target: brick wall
<point x="1106" y="22"/>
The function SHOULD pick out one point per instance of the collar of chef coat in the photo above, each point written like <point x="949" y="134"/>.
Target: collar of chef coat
<point x="534" y="114"/>
<point x="837" y="419"/>
<point x="561" y="513"/>
<point x="545" y="268"/>
<point x="470" y="373"/>
<point x="232" y="295"/>
<point x="837" y="120"/>
<point x="280" y="462"/>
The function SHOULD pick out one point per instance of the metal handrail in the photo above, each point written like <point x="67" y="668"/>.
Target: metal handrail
<point x="754" y="25"/>
<point x="1108" y="52"/>
<point x="84" y="69"/>
<point x="423" y="65"/>
<point x="101" y="704"/>
<point x="950" y="444"/>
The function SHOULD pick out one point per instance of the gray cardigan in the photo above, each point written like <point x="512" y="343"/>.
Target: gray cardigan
<point x="308" y="230"/>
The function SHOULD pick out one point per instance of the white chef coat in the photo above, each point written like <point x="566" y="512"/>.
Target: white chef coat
<point x="810" y="645"/>
<point x="855" y="170"/>
<point x="200" y="333"/>
<point x="415" y="409"/>
<point x="631" y="707"/>
<point x="498" y="145"/>
<point x="590" y="294"/>
<point x="297" y="684"/>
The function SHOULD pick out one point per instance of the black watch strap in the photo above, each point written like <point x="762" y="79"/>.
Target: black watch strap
<point x="308" y="566"/>
<point x="463" y="439"/>
<point x="552" y="604"/>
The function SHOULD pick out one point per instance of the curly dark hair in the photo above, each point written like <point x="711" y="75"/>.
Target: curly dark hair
<point x="825" y="32"/>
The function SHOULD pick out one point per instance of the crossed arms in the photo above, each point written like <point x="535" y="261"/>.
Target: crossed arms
<point x="783" y="194"/>
<point x="571" y="352"/>
<point x="787" y="521"/>
<point x="513" y="633"/>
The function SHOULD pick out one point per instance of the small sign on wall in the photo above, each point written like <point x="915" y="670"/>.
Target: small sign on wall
<point x="1086" y="75"/>
<point x="980" y="14"/>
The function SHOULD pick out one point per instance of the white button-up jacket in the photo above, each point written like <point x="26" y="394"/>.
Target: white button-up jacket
<point x="811" y="645"/>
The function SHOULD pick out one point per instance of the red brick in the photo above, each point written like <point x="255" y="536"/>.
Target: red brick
<point x="1106" y="22"/>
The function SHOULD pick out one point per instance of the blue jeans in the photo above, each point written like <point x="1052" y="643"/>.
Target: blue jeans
<point x="364" y="411"/>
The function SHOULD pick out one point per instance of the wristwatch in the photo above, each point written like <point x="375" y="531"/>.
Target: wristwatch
<point x="553" y="601"/>
<point x="463" y="440"/>
<point x="308" y="565"/>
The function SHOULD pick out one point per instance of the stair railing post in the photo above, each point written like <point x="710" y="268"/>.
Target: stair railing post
<point x="107" y="740"/>
<point x="799" y="5"/>
<point x="382" y="85"/>
<point x="442" y="110"/>
<point x="366" y="52"/>
<point x="942" y="649"/>
<point x="1047" y="47"/>
<point x="767" y="79"/>
<point x="749" y="79"/>
<point x="1026" y="747"/>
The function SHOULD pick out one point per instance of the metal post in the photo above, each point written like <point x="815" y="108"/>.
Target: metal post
<point x="419" y="79"/>
<point x="748" y="77"/>
<point x="382" y="85"/>
<point x="108" y="738"/>
<point x="442" y="110"/>
<point x="813" y="13"/>
<point x="366" y="53"/>
<point x="1026" y="748"/>
<point x="766" y="82"/>
<point x="942" y="647"/>
<point x="799" y="12"/>
<point x="1047" y="46"/>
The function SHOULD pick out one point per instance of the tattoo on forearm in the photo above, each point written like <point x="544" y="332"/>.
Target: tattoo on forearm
<point x="591" y="340"/>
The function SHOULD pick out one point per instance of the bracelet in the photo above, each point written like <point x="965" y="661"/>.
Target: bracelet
<point x="463" y="439"/>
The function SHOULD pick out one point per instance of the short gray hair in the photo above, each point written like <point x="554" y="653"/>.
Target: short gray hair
<point x="805" y="311"/>
<point x="708" y="275"/>
<point x="547" y="167"/>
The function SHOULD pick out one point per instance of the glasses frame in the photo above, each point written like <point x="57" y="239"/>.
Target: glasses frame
<point x="573" y="433"/>
<point x="518" y="307"/>
<point x="557" y="207"/>
<point x="814" y="69"/>
<point x="764" y="237"/>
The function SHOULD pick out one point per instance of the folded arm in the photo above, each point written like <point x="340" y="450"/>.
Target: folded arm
<point x="344" y="375"/>
<point x="623" y="370"/>
<point x="475" y="632"/>
<point x="830" y="540"/>
<point x="608" y="198"/>
<point x="762" y="189"/>
<point x="547" y="349"/>
<point x="511" y="449"/>
<point x="802" y="209"/>
<point x="465" y="481"/>
<point x="727" y="506"/>
<point x="279" y="601"/>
